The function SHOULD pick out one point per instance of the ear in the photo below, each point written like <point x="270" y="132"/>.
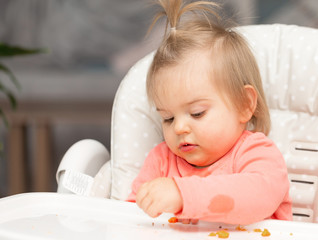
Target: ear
<point x="248" y="111"/>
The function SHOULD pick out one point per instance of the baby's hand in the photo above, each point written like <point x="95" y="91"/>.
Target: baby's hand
<point x="183" y="220"/>
<point x="158" y="196"/>
<point x="188" y="221"/>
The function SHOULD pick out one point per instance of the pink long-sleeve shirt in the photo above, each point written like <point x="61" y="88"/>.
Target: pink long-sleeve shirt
<point x="247" y="185"/>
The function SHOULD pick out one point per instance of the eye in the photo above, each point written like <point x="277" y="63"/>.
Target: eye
<point x="198" y="115"/>
<point x="168" y="120"/>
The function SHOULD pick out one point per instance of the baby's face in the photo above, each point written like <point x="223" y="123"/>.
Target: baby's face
<point x="197" y="124"/>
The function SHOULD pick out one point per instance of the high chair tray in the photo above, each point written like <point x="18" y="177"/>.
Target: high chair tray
<point x="60" y="216"/>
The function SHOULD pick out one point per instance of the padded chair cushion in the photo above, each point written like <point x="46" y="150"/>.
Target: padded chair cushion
<point x="288" y="61"/>
<point x="136" y="129"/>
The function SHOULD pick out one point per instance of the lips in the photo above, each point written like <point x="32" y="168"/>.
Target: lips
<point x="187" y="147"/>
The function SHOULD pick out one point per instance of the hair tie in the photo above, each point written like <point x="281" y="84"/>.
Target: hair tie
<point x="173" y="29"/>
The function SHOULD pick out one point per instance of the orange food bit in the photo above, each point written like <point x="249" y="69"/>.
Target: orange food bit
<point x="266" y="233"/>
<point x="223" y="234"/>
<point x="257" y="230"/>
<point x="240" y="228"/>
<point x="220" y="234"/>
<point x="173" y="220"/>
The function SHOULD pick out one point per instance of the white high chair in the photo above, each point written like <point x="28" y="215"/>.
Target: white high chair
<point x="288" y="61"/>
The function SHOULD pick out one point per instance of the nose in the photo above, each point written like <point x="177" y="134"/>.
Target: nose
<point x="181" y="126"/>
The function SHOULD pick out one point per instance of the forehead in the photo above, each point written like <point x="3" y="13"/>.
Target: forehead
<point x="189" y="80"/>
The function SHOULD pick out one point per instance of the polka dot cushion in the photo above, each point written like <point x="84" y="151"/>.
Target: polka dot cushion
<point x="288" y="61"/>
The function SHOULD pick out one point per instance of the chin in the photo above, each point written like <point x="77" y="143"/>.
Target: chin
<point x="197" y="163"/>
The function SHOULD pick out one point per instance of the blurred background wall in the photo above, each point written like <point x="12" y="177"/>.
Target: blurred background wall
<point x="67" y="93"/>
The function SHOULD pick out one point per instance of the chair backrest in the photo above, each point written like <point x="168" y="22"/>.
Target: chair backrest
<point x="288" y="60"/>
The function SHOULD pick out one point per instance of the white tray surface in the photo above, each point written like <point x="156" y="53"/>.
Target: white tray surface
<point x="42" y="216"/>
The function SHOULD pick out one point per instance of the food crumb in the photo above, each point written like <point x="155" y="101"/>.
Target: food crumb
<point x="173" y="220"/>
<point x="266" y="233"/>
<point x="212" y="234"/>
<point x="240" y="228"/>
<point x="220" y="234"/>
<point x="257" y="230"/>
<point x="153" y="224"/>
<point x="223" y="234"/>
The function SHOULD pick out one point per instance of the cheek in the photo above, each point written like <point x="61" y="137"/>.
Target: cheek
<point x="170" y="139"/>
<point x="167" y="134"/>
<point x="226" y="121"/>
<point x="208" y="128"/>
<point x="211" y="131"/>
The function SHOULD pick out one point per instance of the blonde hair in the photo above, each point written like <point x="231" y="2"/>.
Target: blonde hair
<point x="198" y="26"/>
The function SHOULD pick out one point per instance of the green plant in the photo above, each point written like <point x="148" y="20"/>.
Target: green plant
<point x="6" y="51"/>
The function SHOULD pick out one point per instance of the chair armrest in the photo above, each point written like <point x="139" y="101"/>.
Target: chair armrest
<point x="86" y="156"/>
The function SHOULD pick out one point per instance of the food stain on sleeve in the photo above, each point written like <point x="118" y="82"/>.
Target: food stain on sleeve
<point x="221" y="204"/>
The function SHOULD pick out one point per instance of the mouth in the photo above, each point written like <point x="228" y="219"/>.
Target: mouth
<point x="187" y="147"/>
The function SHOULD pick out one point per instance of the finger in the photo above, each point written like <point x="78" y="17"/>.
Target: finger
<point x="153" y="212"/>
<point x="145" y="204"/>
<point x="154" y="208"/>
<point x="194" y="221"/>
<point x="141" y="193"/>
<point x="185" y="221"/>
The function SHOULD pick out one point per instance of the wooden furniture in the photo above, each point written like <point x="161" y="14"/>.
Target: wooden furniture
<point x="29" y="158"/>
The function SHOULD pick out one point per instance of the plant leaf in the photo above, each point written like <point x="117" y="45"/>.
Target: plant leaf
<point x="11" y="75"/>
<point x="7" y="50"/>
<point x="10" y="96"/>
<point x="4" y="118"/>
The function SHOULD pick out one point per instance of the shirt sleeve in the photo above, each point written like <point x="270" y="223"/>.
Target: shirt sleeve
<point x="253" y="192"/>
